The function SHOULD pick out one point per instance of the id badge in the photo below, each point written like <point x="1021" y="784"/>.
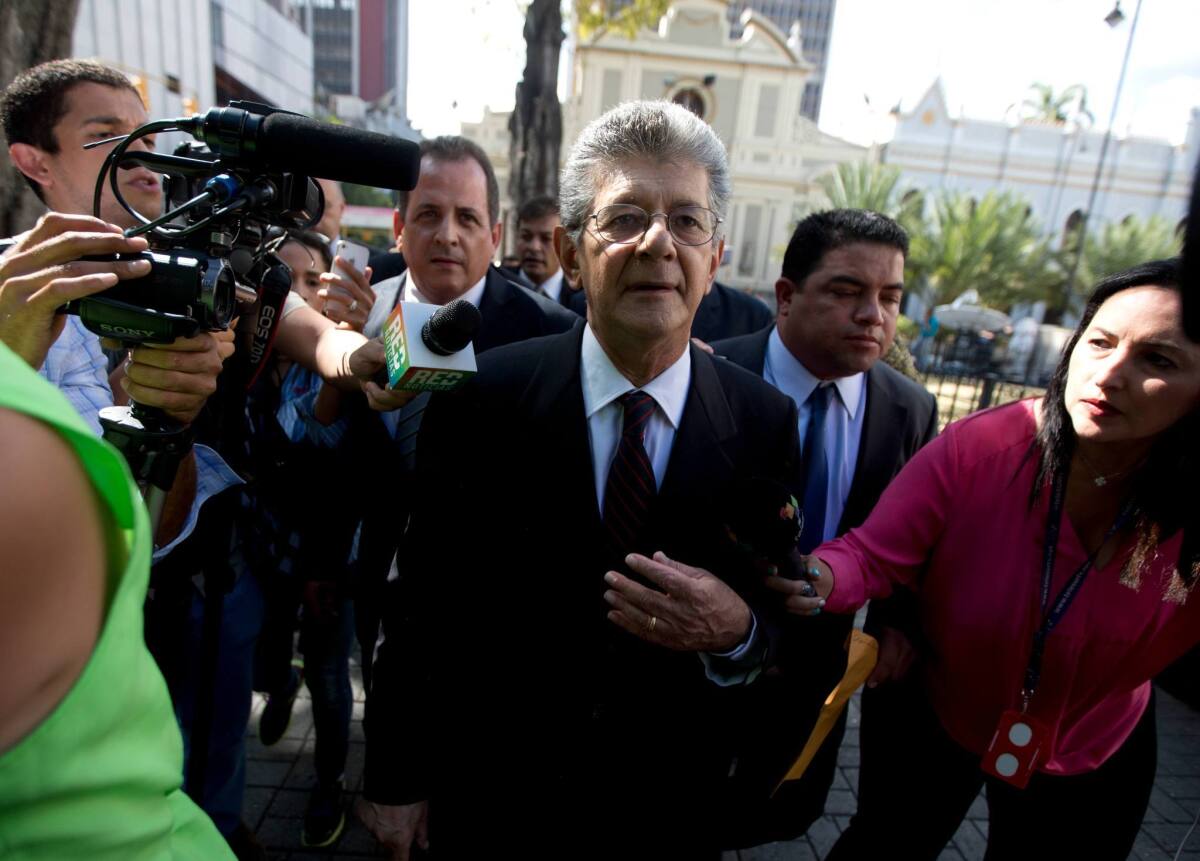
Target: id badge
<point x="1016" y="748"/>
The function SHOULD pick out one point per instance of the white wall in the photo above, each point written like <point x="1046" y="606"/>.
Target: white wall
<point x="1053" y="167"/>
<point x="265" y="51"/>
<point x="152" y="39"/>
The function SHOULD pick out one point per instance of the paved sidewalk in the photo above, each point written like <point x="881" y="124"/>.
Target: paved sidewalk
<point x="280" y="777"/>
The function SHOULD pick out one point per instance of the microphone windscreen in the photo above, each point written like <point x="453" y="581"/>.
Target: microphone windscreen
<point x="763" y="517"/>
<point x="302" y="145"/>
<point x="451" y="327"/>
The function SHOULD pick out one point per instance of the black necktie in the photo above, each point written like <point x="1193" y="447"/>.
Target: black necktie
<point x="630" y="488"/>
<point x="816" y="469"/>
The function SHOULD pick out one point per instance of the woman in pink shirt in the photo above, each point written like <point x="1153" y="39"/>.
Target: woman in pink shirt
<point x="1054" y="544"/>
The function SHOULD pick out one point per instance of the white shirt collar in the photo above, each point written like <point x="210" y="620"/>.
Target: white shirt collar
<point x="603" y="383"/>
<point x="412" y="292"/>
<point x="796" y="380"/>
<point x="552" y="286"/>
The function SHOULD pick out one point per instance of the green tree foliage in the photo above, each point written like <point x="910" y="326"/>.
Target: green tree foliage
<point x="992" y="245"/>
<point x="1047" y="106"/>
<point x="1121" y="245"/>
<point x="625" y="17"/>
<point x="861" y="185"/>
<point x="364" y="195"/>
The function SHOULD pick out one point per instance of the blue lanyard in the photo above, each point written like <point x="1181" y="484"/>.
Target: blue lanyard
<point x="1033" y="670"/>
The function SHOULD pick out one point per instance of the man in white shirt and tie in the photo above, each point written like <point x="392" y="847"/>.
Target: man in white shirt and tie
<point x="537" y="220"/>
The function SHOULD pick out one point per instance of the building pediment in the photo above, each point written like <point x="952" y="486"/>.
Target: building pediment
<point x="700" y="29"/>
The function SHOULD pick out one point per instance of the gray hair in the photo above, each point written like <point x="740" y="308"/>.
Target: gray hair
<point x="657" y="130"/>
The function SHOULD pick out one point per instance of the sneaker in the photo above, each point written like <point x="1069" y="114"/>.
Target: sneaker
<point x="277" y="713"/>
<point x="325" y="817"/>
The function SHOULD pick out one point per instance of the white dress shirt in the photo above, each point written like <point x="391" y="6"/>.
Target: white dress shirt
<point x="843" y="421"/>
<point x="412" y="292"/>
<point x="603" y="384"/>
<point x="552" y="286"/>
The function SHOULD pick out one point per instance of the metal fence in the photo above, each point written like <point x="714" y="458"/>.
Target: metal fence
<point x="959" y="395"/>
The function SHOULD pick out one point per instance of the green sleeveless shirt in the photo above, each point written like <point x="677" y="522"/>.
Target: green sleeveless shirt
<point x="100" y="777"/>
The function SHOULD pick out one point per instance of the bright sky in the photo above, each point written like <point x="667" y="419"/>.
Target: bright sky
<point x="987" y="53"/>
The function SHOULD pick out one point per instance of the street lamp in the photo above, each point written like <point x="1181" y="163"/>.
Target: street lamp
<point x="1113" y="18"/>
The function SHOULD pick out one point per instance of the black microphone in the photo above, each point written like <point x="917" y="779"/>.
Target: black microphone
<point x="763" y="520"/>
<point x="297" y="144"/>
<point x="451" y="328"/>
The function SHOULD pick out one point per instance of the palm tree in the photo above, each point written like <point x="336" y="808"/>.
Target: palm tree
<point x="1048" y="107"/>
<point x="877" y="187"/>
<point x="597" y="17"/>
<point x="1122" y="245"/>
<point x="992" y="245"/>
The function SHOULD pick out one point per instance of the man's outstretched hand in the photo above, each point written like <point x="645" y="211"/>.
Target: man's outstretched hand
<point x="42" y="272"/>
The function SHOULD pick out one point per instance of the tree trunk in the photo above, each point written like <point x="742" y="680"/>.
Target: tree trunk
<point x="31" y="32"/>
<point x="536" y="122"/>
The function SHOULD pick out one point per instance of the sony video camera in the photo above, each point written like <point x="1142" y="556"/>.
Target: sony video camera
<point x="212" y="250"/>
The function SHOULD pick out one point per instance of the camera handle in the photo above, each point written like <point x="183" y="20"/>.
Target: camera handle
<point x="153" y="444"/>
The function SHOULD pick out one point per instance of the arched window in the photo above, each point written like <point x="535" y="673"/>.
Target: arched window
<point x="692" y="99"/>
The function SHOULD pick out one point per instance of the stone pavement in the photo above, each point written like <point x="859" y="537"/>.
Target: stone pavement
<point x="279" y="777"/>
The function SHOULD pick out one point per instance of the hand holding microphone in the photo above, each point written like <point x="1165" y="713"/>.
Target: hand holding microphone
<point x="764" y="521"/>
<point x="806" y="595"/>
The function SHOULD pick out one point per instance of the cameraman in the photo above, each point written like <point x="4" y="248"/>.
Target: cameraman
<point x="48" y="113"/>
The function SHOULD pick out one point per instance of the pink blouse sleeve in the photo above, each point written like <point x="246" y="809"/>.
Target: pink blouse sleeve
<point x="892" y="546"/>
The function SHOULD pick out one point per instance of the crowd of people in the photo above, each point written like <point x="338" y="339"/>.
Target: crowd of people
<point x="568" y="649"/>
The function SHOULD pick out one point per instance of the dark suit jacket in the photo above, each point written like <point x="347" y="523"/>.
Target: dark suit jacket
<point x="509" y="313"/>
<point x="723" y="313"/>
<point x="385" y="265"/>
<point x="501" y="692"/>
<point x="728" y="313"/>
<point x="901" y="416"/>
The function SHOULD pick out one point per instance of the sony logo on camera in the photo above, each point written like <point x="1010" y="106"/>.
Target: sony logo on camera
<point x="126" y="331"/>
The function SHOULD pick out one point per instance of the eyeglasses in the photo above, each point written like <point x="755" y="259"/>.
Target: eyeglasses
<point x="623" y="223"/>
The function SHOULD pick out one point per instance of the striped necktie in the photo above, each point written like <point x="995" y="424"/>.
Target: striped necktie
<point x="630" y="487"/>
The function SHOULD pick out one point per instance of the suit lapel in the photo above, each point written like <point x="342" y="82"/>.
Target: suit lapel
<point x="706" y="424"/>
<point x="554" y="403"/>
<point x="494" y="330"/>
<point x="884" y="419"/>
<point x="387" y="294"/>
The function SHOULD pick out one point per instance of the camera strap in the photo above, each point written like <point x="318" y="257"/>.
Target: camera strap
<point x="273" y="288"/>
<point x="1052" y="614"/>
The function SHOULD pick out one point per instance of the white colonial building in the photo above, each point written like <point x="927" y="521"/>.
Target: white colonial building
<point x="1053" y="166"/>
<point x="749" y="89"/>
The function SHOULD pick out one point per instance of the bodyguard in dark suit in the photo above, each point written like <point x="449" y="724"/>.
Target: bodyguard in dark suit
<point x="723" y="313"/>
<point x="537" y="220"/>
<point x="448" y="227"/>
<point x="839" y="296"/>
<point x="573" y="634"/>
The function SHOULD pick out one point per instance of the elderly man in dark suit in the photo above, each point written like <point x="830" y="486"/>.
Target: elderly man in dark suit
<point x="572" y="637"/>
<point x="839" y="297"/>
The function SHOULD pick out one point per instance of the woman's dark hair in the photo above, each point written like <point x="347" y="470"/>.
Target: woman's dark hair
<point x="1163" y="495"/>
<point x="314" y="242"/>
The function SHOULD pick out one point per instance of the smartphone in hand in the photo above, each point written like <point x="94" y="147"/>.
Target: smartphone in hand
<point x="354" y="254"/>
